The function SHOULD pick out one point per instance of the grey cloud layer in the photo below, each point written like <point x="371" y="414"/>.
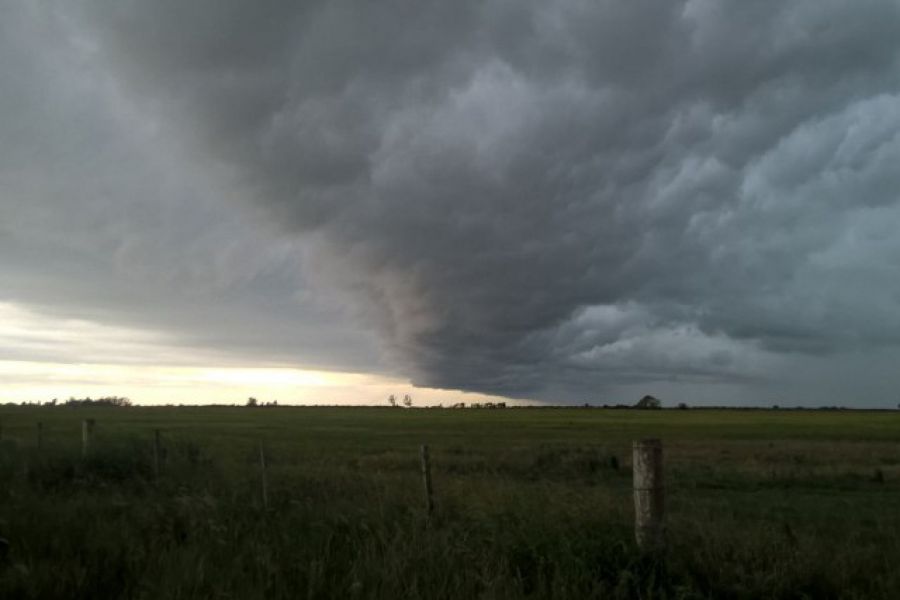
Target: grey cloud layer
<point x="102" y="218"/>
<point x="544" y="198"/>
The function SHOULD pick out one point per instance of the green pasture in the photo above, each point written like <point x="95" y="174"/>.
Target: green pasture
<point x="530" y="503"/>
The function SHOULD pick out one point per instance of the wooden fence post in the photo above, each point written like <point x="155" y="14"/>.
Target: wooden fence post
<point x="40" y="435"/>
<point x="157" y="453"/>
<point x="649" y="494"/>
<point x="426" y="478"/>
<point x="87" y="434"/>
<point x="265" y="480"/>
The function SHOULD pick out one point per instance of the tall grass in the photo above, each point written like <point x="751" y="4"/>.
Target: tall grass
<point x="539" y="509"/>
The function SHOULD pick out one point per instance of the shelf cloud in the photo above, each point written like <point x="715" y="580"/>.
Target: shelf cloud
<point x="532" y="199"/>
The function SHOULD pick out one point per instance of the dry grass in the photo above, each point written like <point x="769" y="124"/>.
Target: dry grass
<point x="530" y="503"/>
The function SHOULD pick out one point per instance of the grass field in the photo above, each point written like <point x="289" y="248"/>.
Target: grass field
<point x="529" y="504"/>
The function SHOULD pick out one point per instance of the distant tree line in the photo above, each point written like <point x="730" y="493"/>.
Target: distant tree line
<point x="254" y="403"/>
<point x="116" y="401"/>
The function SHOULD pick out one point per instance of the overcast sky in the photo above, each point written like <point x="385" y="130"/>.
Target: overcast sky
<point x="566" y="201"/>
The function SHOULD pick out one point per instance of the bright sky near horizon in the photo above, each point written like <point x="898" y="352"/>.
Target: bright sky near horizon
<point x="558" y="201"/>
<point x="84" y="359"/>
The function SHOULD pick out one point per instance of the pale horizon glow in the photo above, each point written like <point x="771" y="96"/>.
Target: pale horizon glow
<point x="79" y="357"/>
<point x="155" y="385"/>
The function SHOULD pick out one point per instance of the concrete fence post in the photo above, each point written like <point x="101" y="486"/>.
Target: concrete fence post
<point x="87" y="435"/>
<point x="649" y="495"/>
<point x="426" y="479"/>
<point x="265" y="479"/>
<point x="157" y="453"/>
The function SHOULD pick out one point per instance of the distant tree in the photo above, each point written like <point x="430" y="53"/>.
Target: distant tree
<point x="251" y="401"/>
<point x="682" y="406"/>
<point x="407" y="401"/>
<point x="392" y="400"/>
<point x="648" y="402"/>
<point x="116" y="401"/>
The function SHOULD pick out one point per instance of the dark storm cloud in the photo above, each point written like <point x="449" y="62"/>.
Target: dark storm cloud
<point x="543" y="198"/>
<point x="102" y="219"/>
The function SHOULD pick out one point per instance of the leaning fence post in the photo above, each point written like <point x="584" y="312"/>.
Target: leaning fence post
<point x="157" y="452"/>
<point x="649" y="494"/>
<point x="426" y="478"/>
<point x="87" y="433"/>
<point x="265" y="481"/>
